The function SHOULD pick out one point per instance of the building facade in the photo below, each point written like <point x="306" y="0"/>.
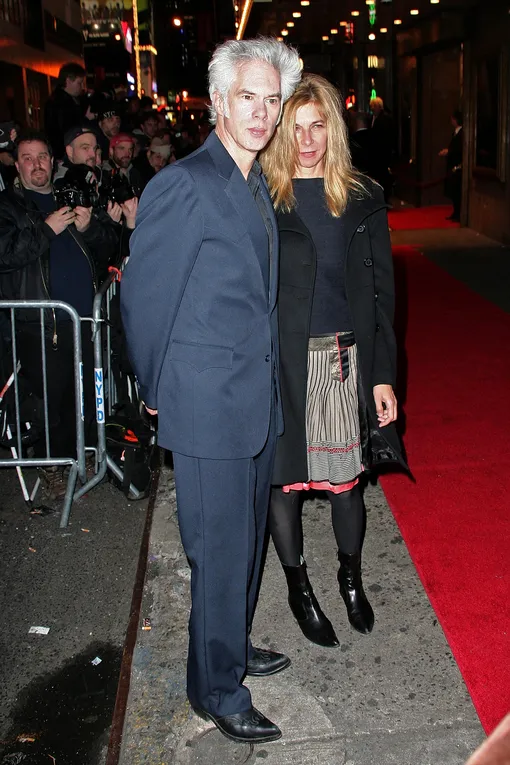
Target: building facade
<point x="36" y="38"/>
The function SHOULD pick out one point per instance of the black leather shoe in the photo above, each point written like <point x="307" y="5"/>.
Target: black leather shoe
<point x="264" y="663"/>
<point x="314" y="624"/>
<point x="359" y="610"/>
<point x="249" y="727"/>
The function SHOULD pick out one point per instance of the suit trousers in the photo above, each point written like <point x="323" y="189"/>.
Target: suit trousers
<point x="222" y="508"/>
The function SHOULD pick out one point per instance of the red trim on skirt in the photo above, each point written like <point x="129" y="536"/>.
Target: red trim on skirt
<point x="336" y="488"/>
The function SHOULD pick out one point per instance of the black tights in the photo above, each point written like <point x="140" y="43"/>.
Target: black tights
<point x="285" y="525"/>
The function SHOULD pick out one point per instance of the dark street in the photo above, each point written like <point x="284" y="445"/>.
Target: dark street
<point x="57" y="690"/>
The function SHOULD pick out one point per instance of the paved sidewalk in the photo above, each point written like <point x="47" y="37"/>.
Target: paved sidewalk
<point x="394" y="697"/>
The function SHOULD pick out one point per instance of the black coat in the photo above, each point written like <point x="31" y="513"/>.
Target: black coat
<point x="370" y="294"/>
<point x="454" y="156"/>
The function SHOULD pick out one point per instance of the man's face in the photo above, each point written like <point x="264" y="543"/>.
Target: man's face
<point x="34" y="165"/>
<point x="82" y="151"/>
<point x="150" y="127"/>
<point x="247" y="121"/>
<point x="75" y="87"/>
<point x="110" y="126"/>
<point x="122" y="154"/>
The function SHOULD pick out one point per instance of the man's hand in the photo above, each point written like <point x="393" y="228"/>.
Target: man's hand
<point x="114" y="210"/>
<point x="385" y="404"/>
<point x="151" y="411"/>
<point x="443" y="153"/>
<point x="129" y="208"/>
<point x="82" y="219"/>
<point x="59" y="220"/>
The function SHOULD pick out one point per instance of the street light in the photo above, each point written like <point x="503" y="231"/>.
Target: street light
<point x="177" y="22"/>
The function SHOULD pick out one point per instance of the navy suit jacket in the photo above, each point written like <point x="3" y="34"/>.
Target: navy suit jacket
<point x="200" y="325"/>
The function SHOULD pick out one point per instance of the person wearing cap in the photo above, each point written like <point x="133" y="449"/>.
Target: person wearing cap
<point x="81" y="145"/>
<point x="109" y="126"/>
<point x="153" y="160"/>
<point x="121" y="160"/>
<point x="51" y="252"/>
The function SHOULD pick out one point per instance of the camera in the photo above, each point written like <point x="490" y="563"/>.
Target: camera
<point x="115" y="187"/>
<point x="78" y="188"/>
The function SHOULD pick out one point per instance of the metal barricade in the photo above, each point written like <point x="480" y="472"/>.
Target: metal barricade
<point x="106" y="391"/>
<point x="76" y="462"/>
<point x="105" y="398"/>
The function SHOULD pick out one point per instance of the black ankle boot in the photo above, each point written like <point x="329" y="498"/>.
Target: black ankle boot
<point x="359" y="609"/>
<point x="314" y="624"/>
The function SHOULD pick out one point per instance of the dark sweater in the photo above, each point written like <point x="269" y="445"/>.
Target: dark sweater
<point x="330" y="310"/>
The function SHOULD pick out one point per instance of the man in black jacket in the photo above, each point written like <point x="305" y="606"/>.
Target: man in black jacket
<point x="453" y="154"/>
<point x="65" y="108"/>
<point x="51" y="254"/>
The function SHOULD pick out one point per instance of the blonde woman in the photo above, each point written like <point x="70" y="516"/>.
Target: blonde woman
<point x="337" y="347"/>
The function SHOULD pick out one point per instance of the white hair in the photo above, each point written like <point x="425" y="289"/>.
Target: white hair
<point x="228" y="56"/>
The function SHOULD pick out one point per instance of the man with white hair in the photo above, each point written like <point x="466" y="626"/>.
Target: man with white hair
<point x="198" y="300"/>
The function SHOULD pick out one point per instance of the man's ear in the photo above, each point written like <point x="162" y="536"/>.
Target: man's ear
<point x="69" y="153"/>
<point x="218" y="103"/>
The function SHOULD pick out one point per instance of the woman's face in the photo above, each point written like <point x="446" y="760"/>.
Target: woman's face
<point x="312" y="140"/>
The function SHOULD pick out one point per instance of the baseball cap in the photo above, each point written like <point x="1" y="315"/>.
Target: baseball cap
<point x="105" y="112"/>
<point x="121" y="138"/>
<point x="76" y="131"/>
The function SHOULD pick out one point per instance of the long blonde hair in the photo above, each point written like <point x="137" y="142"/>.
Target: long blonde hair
<point x="280" y="158"/>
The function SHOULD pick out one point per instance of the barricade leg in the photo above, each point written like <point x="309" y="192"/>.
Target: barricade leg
<point x="68" y="501"/>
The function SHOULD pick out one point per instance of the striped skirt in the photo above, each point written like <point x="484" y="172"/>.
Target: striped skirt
<point x="332" y="417"/>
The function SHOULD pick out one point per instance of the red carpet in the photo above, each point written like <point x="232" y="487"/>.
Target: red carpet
<point x="456" y="519"/>
<point x="421" y="217"/>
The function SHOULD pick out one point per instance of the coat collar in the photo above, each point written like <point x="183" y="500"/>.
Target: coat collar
<point x="224" y="163"/>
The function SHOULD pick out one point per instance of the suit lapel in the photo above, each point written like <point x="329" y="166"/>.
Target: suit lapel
<point x="244" y="204"/>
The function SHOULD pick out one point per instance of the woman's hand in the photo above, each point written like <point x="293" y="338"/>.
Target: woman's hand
<point x="385" y="404"/>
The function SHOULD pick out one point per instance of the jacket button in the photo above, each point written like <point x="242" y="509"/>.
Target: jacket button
<point x="376" y="295"/>
<point x="361" y="228"/>
<point x="377" y="327"/>
<point x="268" y="358"/>
<point x="368" y="262"/>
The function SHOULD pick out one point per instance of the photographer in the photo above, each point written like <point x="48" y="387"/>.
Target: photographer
<point x="51" y="252"/>
<point x="121" y="161"/>
<point x="81" y="146"/>
<point x="109" y="209"/>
